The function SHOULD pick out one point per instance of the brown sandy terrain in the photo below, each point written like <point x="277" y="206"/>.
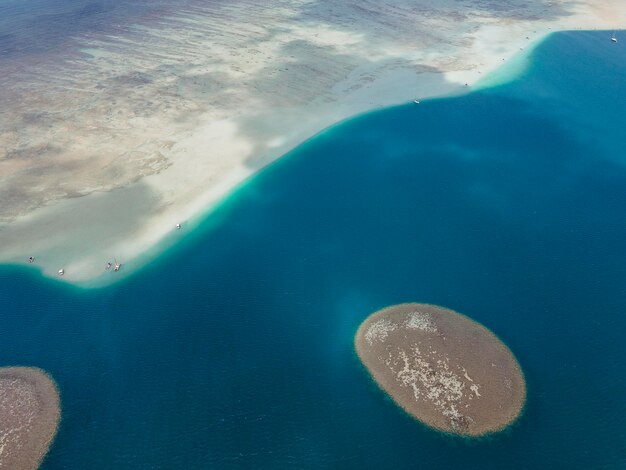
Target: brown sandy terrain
<point x="444" y="369"/>
<point x="29" y="417"/>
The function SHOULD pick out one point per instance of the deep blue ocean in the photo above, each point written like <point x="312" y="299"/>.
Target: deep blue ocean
<point x="234" y="349"/>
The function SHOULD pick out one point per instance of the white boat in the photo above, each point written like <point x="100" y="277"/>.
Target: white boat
<point x="178" y="226"/>
<point x="416" y="101"/>
<point x="109" y="264"/>
<point x="117" y="266"/>
<point x="31" y="259"/>
<point x="613" y="38"/>
<point x="61" y="272"/>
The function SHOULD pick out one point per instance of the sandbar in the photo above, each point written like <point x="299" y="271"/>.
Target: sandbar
<point x="122" y="131"/>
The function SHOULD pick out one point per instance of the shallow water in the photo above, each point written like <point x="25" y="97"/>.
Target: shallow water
<point x="234" y="349"/>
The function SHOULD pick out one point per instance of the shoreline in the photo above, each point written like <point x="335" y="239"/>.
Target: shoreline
<point x="135" y="222"/>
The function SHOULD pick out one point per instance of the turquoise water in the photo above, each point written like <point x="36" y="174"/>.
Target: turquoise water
<point x="234" y="349"/>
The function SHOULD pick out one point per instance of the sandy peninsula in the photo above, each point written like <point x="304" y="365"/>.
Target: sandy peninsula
<point x="442" y="368"/>
<point x="122" y="131"/>
<point x="29" y="416"/>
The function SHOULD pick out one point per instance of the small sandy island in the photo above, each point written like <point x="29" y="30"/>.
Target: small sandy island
<point x="29" y="416"/>
<point x="444" y="369"/>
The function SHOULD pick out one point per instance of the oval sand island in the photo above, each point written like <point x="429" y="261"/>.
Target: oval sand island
<point x="29" y="416"/>
<point x="444" y="369"/>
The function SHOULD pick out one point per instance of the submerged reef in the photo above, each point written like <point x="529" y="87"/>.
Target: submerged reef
<point x="29" y="416"/>
<point x="442" y="368"/>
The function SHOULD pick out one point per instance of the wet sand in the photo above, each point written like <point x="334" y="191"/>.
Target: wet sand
<point x="29" y="416"/>
<point x="442" y="368"/>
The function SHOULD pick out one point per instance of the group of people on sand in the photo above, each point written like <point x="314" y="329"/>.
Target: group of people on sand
<point x="116" y="266"/>
<point x="109" y="265"/>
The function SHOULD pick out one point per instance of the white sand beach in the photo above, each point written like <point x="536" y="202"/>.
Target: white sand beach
<point x="119" y="135"/>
